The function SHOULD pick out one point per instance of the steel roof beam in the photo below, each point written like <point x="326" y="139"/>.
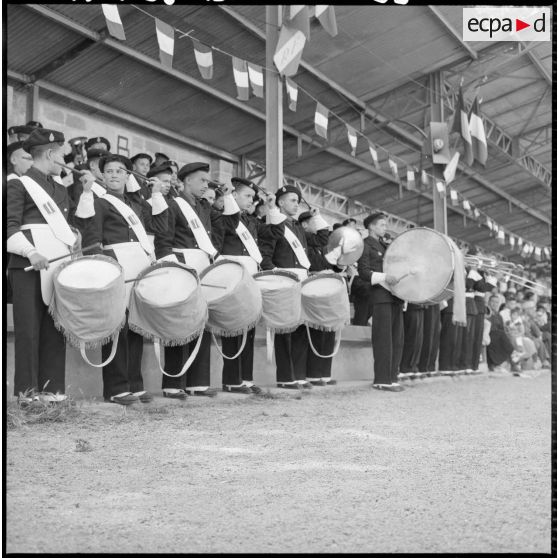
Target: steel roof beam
<point x="539" y="65"/>
<point x="449" y="28"/>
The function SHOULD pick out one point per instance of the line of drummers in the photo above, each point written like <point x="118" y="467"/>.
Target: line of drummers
<point x="116" y="258"/>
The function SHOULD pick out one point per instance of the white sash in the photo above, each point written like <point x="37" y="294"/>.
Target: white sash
<point x="133" y="220"/>
<point x="249" y="243"/>
<point x="49" y="210"/>
<point x="98" y="190"/>
<point x="11" y="176"/>
<point x="198" y="230"/>
<point x="297" y="247"/>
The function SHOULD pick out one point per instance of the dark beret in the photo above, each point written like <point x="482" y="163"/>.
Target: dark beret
<point x="373" y="217"/>
<point x="154" y="171"/>
<point x="190" y="168"/>
<point x="34" y="124"/>
<point x="99" y="139"/>
<point x="237" y="181"/>
<point x="304" y="216"/>
<point x="214" y="185"/>
<point x="161" y="156"/>
<point x="111" y="158"/>
<point x="141" y="156"/>
<point x="12" y="130"/>
<point x="42" y="136"/>
<point x="349" y="220"/>
<point x="95" y="153"/>
<point x="14" y="146"/>
<point x="287" y="190"/>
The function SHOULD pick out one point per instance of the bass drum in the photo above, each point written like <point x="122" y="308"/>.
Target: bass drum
<point x="424" y="260"/>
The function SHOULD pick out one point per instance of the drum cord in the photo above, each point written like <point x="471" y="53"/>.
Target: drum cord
<point x="335" y="350"/>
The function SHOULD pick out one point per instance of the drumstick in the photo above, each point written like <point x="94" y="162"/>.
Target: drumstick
<point x="214" y="286"/>
<point x="87" y="248"/>
<point x="81" y="172"/>
<point x="147" y="277"/>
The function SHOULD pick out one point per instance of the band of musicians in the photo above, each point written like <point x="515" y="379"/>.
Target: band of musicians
<point x="108" y="251"/>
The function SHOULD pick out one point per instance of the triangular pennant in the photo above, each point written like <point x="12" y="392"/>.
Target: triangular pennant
<point x="292" y="93"/>
<point x="451" y="167"/>
<point x="321" y="120"/>
<point x="374" y="155"/>
<point x="326" y="16"/>
<point x="114" y="23"/>
<point x="204" y="59"/>
<point x="240" y="71"/>
<point x="300" y="19"/>
<point x="352" y="137"/>
<point x="165" y="38"/>
<point x="255" y="74"/>
<point x="289" y="50"/>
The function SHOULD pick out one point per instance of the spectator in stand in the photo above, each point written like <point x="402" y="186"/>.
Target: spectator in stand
<point x="542" y="320"/>
<point x="350" y="222"/>
<point x="500" y="348"/>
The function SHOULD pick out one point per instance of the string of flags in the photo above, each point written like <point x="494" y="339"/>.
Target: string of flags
<point x="249" y="80"/>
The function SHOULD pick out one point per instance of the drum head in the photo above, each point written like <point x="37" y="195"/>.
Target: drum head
<point x="322" y="286"/>
<point x="424" y="259"/>
<point x="166" y="285"/>
<point x="271" y="281"/>
<point x="219" y="279"/>
<point x="87" y="273"/>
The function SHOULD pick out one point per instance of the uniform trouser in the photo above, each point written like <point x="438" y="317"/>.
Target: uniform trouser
<point x="387" y="341"/>
<point x="123" y="372"/>
<point x="198" y="375"/>
<point x="413" y="328"/>
<point x="40" y="349"/>
<point x="431" y="339"/>
<point x="477" y="341"/>
<point x="362" y="308"/>
<point x="467" y="335"/>
<point x="451" y="340"/>
<point x="241" y="368"/>
<point x="291" y="350"/>
<point x="324" y="343"/>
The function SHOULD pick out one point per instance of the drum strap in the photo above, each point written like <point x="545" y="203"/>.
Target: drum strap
<point x="109" y="359"/>
<point x="49" y="210"/>
<point x="249" y="243"/>
<point x="239" y="350"/>
<point x="98" y="190"/>
<point x="187" y="364"/>
<point x="335" y="350"/>
<point x="133" y="220"/>
<point x="297" y="247"/>
<point x="199" y="232"/>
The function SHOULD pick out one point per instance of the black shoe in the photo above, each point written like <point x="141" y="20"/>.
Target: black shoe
<point x="331" y="382"/>
<point x="124" y="399"/>
<point x="288" y="386"/>
<point x="144" y="396"/>
<point x="307" y="385"/>
<point x="180" y="394"/>
<point x="237" y="389"/>
<point x="388" y="387"/>
<point x="209" y="392"/>
<point x="317" y="382"/>
<point x="256" y="389"/>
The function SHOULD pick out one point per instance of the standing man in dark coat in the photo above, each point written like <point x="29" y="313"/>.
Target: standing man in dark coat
<point x="413" y="327"/>
<point x="387" y="310"/>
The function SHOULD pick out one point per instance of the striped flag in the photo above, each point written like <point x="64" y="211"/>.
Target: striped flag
<point x="478" y="137"/>
<point x="461" y="125"/>
<point x="321" y="120"/>
<point x="352" y="137"/>
<point x="292" y="93"/>
<point x="451" y="167"/>
<point x="240" y="71"/>
<point x="289" y="50"/>
<point x="256" y="77"/>
<point x="394" y="169"/>
<point x="326" y="16"/>
<point x="204" y="59"/>
<point x="300" y="19"/>
<point x="453" y="197"/>
<point x="165" y="38"/>
<point x="114" y="23"/>
<point x="374" y="155"/>
<point x="411" y="184"/>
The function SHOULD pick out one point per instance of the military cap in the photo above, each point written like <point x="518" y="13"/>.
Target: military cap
<point x="111" y="158"/>
<point x="214" y="185"/>
<point x="42" y="136"/>
<point x="238" y="181"/>
<point x="372" y="218"/>
<point x="92" y="141"/>
<point x="161" y="156"/>
<point x="14" y="146"/>
<point x="95" y="153"/>
<point x="154" y="171"/>
<point x="304" y="216"/>
<point x="349" y="220"/>
<point x="13" y="130"/>
<point x="141" y="156"/>
<point x="287" y="190"/>
<point x="190" y="168"/>
<point x="34" y="124"/>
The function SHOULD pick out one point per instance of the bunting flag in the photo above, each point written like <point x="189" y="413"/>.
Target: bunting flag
<point x="501" y="237"/>
<point x="393" y="167"/>
<point x="240" y="71"/>
<point x="114" y="23"/>
<point x="374" y="155"/>
<point x="512" y="241"/>
<point x="255" y="74"/>
<point x="411" y="184"/>
<point x="451" y="167"/>
<point x="476" y="213"/>
<point x="453" y="197"/>
<point x="547" y="253"/>
<point x="204" y="59"/>
<point x="441" y="187"/>
<point x="489" y="223"/>
<point x="292" y="93"/>
<point x="289" y="50"/>
<point x="165" y="38"/>
<point x="424" y="178"/>
<point x="300" y="19"/>
<point x="352" y="137"/>
<point x="538" y="253"/>
<point x="461" y="125"/>
<point x="326" y="16"/>
<point x="478" y="137"/>
<point x="466" y="205"/>
<point x="321" y="120"/>
<point x="519" y="242"/>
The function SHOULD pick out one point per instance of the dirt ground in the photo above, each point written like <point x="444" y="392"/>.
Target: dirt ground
<point x="449" y="465"/>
